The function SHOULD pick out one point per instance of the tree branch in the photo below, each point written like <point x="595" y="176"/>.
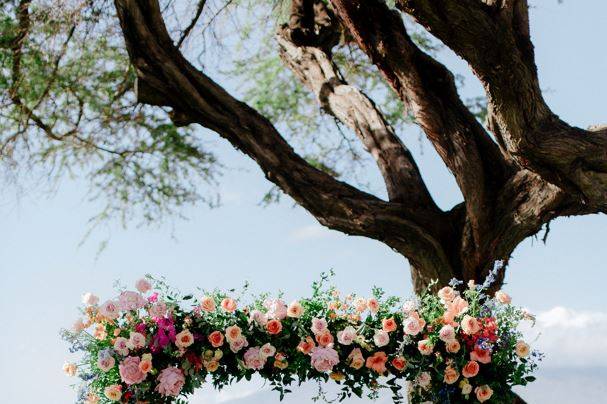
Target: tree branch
<point x="494" y="38"/>
<point x="315" y="69"/>
<point x="428" y="88"/>
<point x="196" y="98"/>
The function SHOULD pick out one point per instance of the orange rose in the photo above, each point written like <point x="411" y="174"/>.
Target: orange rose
<point x="388" y="324"/>
<point x="306" y="346"/>
<point x="399" y="363"/>
<point x="325" y="338"/>
<point x="229" y="305"/>
<point x="452" y="346"/>
<point x="274" y="327"/>
<point x="216" y="339"/>
<point x="471" y="369"/>
<point x="377" y="362"/>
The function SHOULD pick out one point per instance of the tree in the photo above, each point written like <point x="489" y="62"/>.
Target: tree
<point x="521" y="169"/>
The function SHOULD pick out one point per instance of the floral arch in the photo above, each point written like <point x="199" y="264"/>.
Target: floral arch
<point x="155" y="345"/>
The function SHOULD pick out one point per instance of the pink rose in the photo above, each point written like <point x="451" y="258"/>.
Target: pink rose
<point x="158" y="310"/>
<point x="446" y="333"/>
<point x="253" y="359"/>
<point x="136" y="340"/>
<point x="423" y="379"/>
<point x="109" y="310"/>
<point x="381" y="338"/>
<point x="319" y="325"/>
<point x="131" y="301"/>
<point x="121" y="345"/>
<point x="238" y="344"/>
<point x="143" y="285"/>
<point x="170" y="382"/>
<point x="277" y="309"/>
<point x="413" y="325"/>
<point x="347" y="335"/>
<point x="324" y="358"/>
<point x="130" y="372"/>
<point x="258" y="317"/>
<point x="267" y="350"/>
<point x="105" y="363"/>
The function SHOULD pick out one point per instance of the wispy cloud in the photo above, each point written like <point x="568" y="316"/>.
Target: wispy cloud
<point x="571" y="338"/>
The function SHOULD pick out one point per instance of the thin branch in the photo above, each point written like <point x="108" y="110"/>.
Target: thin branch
<point x="193" y="23"/>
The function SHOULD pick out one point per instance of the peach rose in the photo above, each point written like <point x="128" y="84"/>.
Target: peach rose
<point x="399" y="363"/>
<point x="425" y="347"/>
<point x="274" y="327"/>
<point x="483" y="393"/>
<point x="267" y="350"/>
<point x="503" y="297"/>
<point x="470" y="369"/>
<point x="470" y="325"/>
<point x="229" y="305"/>
<point x="145" y="365"/>
<point x="356" y="359"/>
<point x="70" y="369"/>
<point x="360" y="304"/>
<point x="388" y="324"/>
<point x="113" y="392"/>
<point x="295" y="309"/>
<point x="207" y="303"/>
<point x="373" y="305"/>
<point x="521" y="349"/>
<point x="136" y="340"/>
<point x="306" y="346"/>
<point x="481" y="355"/>
<point x="325" y="338"/>
<point x="451" y="375"/>
<point x="377" y="362"/>
<point x="452" y="346"/>
<point x="233" y="332"/>
<point x="184" y="339"/>
<point x="216" y="339"/>
<point x="90" y="299"/>
<point x="447" y="294"/>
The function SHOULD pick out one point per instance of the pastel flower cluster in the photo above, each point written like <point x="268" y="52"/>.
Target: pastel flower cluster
<point x="153" y="345"/>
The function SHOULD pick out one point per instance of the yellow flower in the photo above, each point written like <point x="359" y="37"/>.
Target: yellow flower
<point x="337" y="376"/>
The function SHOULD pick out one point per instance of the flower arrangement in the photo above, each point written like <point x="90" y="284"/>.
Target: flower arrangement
<point x="154" y="345"/>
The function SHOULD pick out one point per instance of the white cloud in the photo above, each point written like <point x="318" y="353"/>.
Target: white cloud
<point x="570" y="338"/>
<point x="312" y="232"/>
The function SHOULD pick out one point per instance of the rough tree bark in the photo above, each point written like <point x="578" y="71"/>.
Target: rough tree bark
<point x="537" y="169"/>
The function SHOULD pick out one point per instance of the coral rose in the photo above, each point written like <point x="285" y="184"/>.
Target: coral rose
<point x="425" y="347"/>
<point x="470" y="369"/>
<point x="216" y="339"/>
<point x="325" y="338"/>
<point x="377" y="362"/>
<point x="481" y="355"/>
<point x="306" y="346"/>
<point x="274" y="327"/>
<point x="229" y="305"/>
<point x="356" y="359"/>
<point x="399" y="363"/>
<point x="388" y="324"/>
<point x="452" y="346"/>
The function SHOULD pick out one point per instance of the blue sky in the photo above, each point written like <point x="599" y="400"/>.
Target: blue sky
<point x="44" y="270"/>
